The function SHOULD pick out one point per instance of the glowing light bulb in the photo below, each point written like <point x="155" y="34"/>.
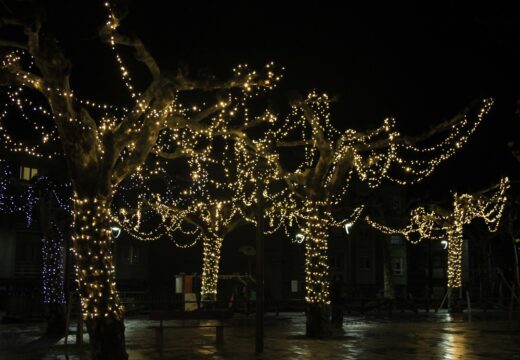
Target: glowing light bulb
<point x="348" y="226"/>
<point x="300" y="238"/>
<point x="116" y="231"/>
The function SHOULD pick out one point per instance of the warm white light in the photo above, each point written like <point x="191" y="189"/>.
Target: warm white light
<point x="116" y="231"/>
<point x="300" y="238"/>
<point x="347" y="227"/>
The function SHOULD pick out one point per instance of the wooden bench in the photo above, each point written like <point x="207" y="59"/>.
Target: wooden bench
<point x="219" y="316"/>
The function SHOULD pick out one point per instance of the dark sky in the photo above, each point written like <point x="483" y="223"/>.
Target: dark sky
<point x="421" y="66"/>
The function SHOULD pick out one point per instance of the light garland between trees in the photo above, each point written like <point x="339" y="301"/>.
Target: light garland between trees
<point x="440" y="224"/>
<point x="161" y="124"/>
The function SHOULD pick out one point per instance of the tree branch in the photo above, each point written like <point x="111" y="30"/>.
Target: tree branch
<point x="178" y="153"/>
<point x="76" y="127"/>
<point x="410" y="140"/>
<point x="22" y="78"/>
<point x="294" y="143"/>
<point x="109" y="35"/>
<point x="233" y="225"/>
<point x="148" y="136"/>
<point x="321" y="143"/>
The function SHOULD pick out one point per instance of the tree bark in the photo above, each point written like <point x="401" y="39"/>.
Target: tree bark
<point x="55" y="319"/>
<point x="454" y="268"/>
<point x="318" y="324"/>
<point x="107" y="338"/>
<point x="210" y="267"/>
<point x="454" y="258"/>
<point x="484" y="271"/>
<point x="388" y="275"/>
<point x="317" y="273"/>
<point x="52" y="265"/>
<point x="516" y="264"/>
<point x="101" y="307"/>
<point x="454" y="305"/>
<point x="52" y="283"/>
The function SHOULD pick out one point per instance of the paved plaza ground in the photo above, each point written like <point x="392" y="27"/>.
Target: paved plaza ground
<point x="398" y="336"/>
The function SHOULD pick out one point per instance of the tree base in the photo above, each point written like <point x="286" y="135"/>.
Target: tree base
<point x="318" y="321"/>
<point x="211" y="297"/>
<point x="56" y="319"/>
<point x="454" y="301"/>
<point x="208" y="301"/>
<point x="107" y="339"/>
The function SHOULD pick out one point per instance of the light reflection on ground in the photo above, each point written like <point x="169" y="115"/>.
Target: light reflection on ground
<point x="398" y="337"/>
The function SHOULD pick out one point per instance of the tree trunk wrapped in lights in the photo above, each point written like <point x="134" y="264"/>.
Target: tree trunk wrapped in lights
<point x="212" y="221"/>
<point x="454" y="270"/>
<point x="454" y="256"/>
<point x="441" y="223"/>
<point x="95" y="274"/>
<point x="103" y="149"/>
<point x="53" y="255"/>
<point x="210" y="266"/>
<point x="316" y="258"/>
<point x="53" y="277"/>
<point x="316" y="231"/>
<point x="331" y="157"/>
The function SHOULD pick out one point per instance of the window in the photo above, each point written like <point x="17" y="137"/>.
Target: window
<point x="294" y="286"/>
<point x="397" y="266"/>
<point x="27" y="173"/>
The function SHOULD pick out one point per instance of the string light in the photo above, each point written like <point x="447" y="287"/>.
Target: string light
<point x="6" y="199"/>
<point x="306" y="197"/>
<point x="14" y="201"/>
<point x="95" y="273"/>
<point x="53" y="273"/>
<point x="179" y="129"/>
<point x="435" y="226"/>
<point x="372" y="156"/>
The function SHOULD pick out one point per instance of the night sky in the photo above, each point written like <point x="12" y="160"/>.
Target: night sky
<point x="420" y="66"/>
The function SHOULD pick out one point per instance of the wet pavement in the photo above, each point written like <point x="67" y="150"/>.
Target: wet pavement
<point x="400" y="336"/>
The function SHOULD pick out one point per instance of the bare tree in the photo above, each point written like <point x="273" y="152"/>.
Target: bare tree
<point x="100" y="153"/>
<point x="212" y="222"/>
<point x="441" y="223"/>
<point x="331" y="158"/>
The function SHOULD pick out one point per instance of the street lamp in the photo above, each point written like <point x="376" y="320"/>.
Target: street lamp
<point x="116" y="231"/>
<point x="348" y="226"/>
<point x="300" y="238"/>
